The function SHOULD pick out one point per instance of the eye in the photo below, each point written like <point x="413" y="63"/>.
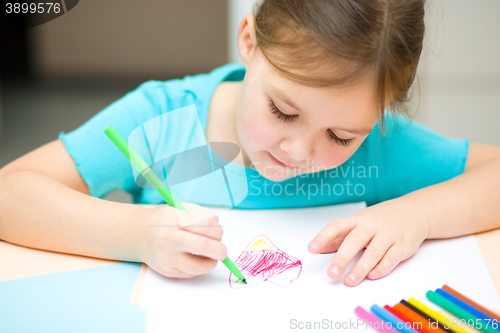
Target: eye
<point x="342" y="142"/>
<point x="283" y="116"/>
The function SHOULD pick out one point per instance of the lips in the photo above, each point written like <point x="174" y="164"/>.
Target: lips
<point x="281" y="163"/>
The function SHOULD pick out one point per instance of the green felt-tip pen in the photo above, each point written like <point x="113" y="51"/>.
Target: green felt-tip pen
<point x="157" y="184"/>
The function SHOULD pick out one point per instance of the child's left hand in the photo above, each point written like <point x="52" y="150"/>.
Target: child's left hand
<point x="390" y="231"/>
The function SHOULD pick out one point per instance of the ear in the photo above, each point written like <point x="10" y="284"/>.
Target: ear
<point x="246" y="39"/>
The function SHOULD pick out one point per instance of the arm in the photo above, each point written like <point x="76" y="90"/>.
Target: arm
<point x="45" y="181"/>
<point x="44" y="204"/>
<point x="393" y="230"/>
<point x="468" y="203"/>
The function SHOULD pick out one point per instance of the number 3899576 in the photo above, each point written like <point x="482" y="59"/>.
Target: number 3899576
<point x="41" y="7"/>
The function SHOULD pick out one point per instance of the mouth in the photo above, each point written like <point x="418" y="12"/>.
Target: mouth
<point x="281" y="164"/>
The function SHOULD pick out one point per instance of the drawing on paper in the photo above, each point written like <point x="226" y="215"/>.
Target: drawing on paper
<point x="263" y="261"/>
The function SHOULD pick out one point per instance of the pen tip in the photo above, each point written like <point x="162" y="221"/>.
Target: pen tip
<point x="245" y="281"/>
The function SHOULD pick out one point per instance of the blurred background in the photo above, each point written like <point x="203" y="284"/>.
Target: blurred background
<point x="57" y="75"/>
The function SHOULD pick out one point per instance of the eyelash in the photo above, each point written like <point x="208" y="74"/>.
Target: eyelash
<point x="282" y="116"/>
<point x="288" y="118"/>
<point x="342" y="142"/>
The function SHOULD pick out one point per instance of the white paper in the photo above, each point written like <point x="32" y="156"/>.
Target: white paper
<point x="208" y="304"/>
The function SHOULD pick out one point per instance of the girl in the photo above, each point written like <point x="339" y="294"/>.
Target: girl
<point x="321" y="80"/>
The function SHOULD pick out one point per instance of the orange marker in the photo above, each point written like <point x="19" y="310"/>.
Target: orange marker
<point x="415" y="324"/>
<point x="470" y="302"/>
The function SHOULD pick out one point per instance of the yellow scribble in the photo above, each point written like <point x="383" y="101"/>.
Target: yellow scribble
<point x="261" y="243"/>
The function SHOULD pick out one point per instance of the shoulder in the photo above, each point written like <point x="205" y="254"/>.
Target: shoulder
<point x="410" y="156"/>
<point x="199" y="89"/>
<point x="199" y="84"/>
<point x="408" y="140"/>
<point x="400" y="131"/>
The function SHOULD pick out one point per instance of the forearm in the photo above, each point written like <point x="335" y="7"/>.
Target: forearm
<point x="37" y="211"/>
<point x="466" y="204"/>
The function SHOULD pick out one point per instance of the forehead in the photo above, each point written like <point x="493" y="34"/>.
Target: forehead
<point x="355" y="104"/>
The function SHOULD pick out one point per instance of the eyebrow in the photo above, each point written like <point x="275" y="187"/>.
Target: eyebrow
<point x="286" y="100"/>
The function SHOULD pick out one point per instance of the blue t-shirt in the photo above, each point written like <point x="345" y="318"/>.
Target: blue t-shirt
<point x="407" y="158"/>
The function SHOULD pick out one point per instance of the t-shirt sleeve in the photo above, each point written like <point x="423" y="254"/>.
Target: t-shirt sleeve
<point x="411" y="156"/>
<point x="101" y="164"/>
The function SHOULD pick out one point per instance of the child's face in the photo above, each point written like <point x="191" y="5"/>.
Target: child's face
<point x="322" y="132"/>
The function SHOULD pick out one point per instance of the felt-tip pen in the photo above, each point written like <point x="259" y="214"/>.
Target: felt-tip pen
<point x="144" y="169"/>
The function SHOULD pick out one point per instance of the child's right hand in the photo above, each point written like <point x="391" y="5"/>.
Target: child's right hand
<point x="181" y="252"/>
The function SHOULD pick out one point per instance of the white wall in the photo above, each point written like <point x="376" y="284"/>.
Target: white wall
<point x="460" y="68"/>
<point x="460" y="72"/>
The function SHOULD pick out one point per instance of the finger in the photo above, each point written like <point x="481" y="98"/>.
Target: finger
<point x="336" y="229"/>
<point x="370" y="258"/>
<point x="333" y="246"/>
<point x="353" y="243"/>
<point x="204" y="246"/>
<point x="195" y="265"/>
<point x="200" y="220"/>
<point x="390" y="260"/>
<point x="208" y="228"/>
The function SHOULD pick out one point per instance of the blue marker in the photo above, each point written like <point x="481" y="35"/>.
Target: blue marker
<point x="389" y="317"/>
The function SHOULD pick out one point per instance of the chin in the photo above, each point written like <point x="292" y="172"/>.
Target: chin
<point x="275" y="174"/>
<point x="275" y="179"/>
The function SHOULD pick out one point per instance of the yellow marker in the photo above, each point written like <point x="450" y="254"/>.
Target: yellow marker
<point x="435" y="315"/>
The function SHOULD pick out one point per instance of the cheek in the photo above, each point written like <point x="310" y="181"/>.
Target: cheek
<point x="256" y="130"/>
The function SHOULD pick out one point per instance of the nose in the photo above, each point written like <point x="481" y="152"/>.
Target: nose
<point x="299" y="148"/>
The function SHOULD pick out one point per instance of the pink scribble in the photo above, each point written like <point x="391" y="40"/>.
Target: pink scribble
<point x="263" y="261"/>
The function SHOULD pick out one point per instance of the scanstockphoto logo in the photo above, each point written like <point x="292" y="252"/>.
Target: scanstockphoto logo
<point x="33" y="13"/>
<point x="193" y="170"/>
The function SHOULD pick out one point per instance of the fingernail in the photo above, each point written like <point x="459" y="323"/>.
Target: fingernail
<point x="314" y="246"/>
<point x="335" y="270"/>
<point x="373" y="272"/>
<point x="351" y="277"/>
